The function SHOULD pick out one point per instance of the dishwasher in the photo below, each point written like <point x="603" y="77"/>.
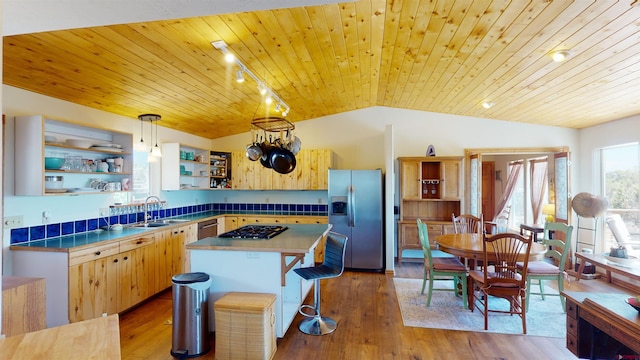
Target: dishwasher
<point x="207" y="229"/>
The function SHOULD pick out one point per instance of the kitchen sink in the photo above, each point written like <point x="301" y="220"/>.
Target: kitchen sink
<point x="152" y="224"/>
<point x="160" y="223"/>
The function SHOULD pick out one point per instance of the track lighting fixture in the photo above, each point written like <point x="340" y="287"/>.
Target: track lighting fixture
<point x="239" y="76"/>
<point x="269" y="95"/>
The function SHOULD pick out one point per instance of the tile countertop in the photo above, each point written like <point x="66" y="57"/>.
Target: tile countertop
<point x="90" y="238"/>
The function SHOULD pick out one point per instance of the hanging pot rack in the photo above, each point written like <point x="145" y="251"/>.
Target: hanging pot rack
<point x="272" y="124"/>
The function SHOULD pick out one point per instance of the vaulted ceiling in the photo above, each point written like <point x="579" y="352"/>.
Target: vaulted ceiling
<point x="439" y="56"/>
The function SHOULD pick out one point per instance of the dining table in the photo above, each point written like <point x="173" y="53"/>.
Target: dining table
<point x="468" y="246"/>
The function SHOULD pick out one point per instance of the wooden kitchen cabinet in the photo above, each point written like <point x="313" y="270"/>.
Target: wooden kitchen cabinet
<point x="180" y="237"/>
<point x="93" y="288"/>
<point x="172" y="175"/>
<point x="311" y="172"/>
<point x="230" y="223"/>
<point x="31" y="150"/>
<point x="136" y="271"/>
<point x="252" y="220"/>
<point x="110" y="278"/>
<point x="164" y="260"/>
<point x="431" y="189"/>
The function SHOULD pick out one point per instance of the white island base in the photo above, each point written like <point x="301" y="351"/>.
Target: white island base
<point x="260" y="266"/>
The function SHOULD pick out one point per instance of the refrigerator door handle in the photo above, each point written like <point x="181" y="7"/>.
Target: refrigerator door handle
<point x="352" y="207"/>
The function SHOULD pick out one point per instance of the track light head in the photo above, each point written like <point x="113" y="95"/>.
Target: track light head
<point x="239" y="76"/>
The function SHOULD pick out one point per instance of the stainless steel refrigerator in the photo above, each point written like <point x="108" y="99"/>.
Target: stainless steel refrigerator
<point x="356" y="210"/>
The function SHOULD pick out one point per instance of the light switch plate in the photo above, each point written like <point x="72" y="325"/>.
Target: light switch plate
<point x="12" y="222"/>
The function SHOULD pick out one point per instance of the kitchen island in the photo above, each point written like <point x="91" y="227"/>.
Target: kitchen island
<point x="261" y="266"/>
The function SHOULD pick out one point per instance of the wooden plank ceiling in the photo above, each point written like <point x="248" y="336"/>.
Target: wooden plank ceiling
<point x="439" y="56"/>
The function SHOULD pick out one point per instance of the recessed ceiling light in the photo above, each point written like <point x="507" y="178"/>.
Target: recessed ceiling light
<point x="560" y="55"/>
<point x="488" y="105"/>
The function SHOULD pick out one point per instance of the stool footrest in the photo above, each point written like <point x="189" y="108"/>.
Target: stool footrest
<point x="304" y="306"/>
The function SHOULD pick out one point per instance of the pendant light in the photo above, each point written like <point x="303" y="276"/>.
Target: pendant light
<point x="156" y="149"/>
<point x="141" y="146"/>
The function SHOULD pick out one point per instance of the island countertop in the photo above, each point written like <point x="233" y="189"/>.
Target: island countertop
<point x="297" y="239"/>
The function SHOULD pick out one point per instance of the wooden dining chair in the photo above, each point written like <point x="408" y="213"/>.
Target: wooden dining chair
<point x="557" y="250"/>
<point x="466" y="223"/>
<point x="441" y="268"/>
<point x="501" y="279"/>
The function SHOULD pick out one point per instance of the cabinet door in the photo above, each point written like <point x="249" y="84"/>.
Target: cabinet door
<point x="93" y="288"/>
<point x="451" y="173"/>
<point x="177" y="239"/>
<point x="307" y="220"/>
<point x="410" y="179"/>
<point x="137" y="280"/>
<point x="180" y="237"/>
<point x="230" y="223"/>
<point x="164" y="260"/>
<point x="191" y="235"/>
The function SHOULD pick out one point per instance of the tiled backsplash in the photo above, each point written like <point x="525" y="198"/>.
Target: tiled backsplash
<point x="39" y="232"/>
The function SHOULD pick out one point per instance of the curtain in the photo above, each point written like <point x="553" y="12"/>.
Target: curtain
<point x="512" y="179"/>
<point x="538" y="175"/>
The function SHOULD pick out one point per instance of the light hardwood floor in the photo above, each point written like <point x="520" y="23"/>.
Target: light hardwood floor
<point x="369" y="327"/>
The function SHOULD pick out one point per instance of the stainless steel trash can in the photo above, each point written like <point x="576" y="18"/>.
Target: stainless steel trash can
<point x="190" y="337"/>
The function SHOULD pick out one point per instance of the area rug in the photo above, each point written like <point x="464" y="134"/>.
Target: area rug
<point x="544" y="318"/>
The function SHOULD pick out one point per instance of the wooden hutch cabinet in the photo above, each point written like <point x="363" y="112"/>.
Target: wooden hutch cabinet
<point x="431" y="189"/>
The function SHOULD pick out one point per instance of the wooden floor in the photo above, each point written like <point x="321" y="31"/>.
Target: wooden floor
<point x="369" y="327"/>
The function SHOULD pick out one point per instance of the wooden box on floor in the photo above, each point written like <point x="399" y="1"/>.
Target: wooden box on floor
<point x="23" y="305"/>
<point x="245" y="326"/>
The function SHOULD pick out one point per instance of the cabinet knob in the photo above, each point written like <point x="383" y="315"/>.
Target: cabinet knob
<point x="139" y="242"/>
<point x="98" y="253"/>
<point x="126" y="258"/>
<point x="115" y="260"/>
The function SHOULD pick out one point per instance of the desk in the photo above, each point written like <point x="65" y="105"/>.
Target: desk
<point x="534" y="229"/>
<point x="601" y="261"/>
<point x="469" y="246"/>
<point x="601" y="326"/>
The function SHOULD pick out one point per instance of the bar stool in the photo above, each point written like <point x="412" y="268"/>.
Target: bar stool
<point x="331" y="267"/>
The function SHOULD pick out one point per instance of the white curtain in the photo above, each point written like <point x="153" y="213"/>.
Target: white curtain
<point x="538" y="173"/>
<point x="512" y="178"/>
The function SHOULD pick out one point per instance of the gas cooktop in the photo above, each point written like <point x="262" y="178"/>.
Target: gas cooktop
<point x="254" y="232"/>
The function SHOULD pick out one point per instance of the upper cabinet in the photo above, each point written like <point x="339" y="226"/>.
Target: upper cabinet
<point x="431" y="187"/>
<point x="311" y="172"/>
<point x="184" y="167"/>
<point x="54" y="156"/>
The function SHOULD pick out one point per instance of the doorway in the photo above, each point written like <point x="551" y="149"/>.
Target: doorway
<point x="475" y="168"/>
<point x="488" y="189"/>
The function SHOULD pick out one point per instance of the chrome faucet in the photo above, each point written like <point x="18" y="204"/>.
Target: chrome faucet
<point x="146" y="206"/>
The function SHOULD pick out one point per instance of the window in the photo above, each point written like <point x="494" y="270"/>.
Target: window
<point x="141" y="183"/>
<point x="621" y="186"/>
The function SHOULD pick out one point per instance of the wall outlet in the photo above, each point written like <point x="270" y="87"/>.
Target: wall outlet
<point x="104" y="211"/>
<point x="12" y="222"/>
